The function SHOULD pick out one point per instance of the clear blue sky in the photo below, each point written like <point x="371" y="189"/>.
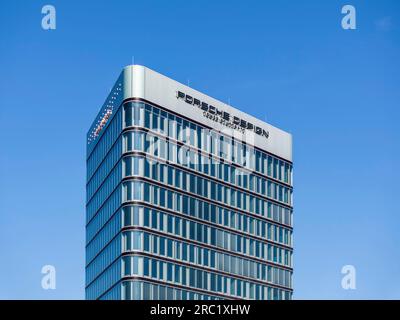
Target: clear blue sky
<point x="290" y="62"/>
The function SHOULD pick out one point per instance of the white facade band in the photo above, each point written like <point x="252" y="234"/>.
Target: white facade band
<point x="143" y="83"/>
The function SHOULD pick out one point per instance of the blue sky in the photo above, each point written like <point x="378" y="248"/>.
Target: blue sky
<point x="290" y="62"/>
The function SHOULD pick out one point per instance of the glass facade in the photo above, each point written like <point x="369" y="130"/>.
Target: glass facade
<point x="176" y="210"/>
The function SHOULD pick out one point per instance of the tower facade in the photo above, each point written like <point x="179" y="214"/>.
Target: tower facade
<point x="187" y="197"/>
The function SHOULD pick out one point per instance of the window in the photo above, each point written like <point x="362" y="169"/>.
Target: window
<point x="138" y="141"/>
<point x="137" y="191"/>
<point x="126" y="263"/>
<point x="169" y="248"/>
<point x="162" y="246"/>
<point x="147" y="115"/>
<point x="155" y="195"/>
<point x="146" y="192"/>
<point x="184" y="251"/>
<point x="170" y="175"/>
<point x="177" y="226"/>
<point x="162" y="197"/>
<point x="161" y="270"/>
<point x="154" y="219"/>
<point x="146" y="242"/>
<point x="170" y="224"/>
<point x="169" y="271"/>
<point x="137" y="240"/>
<point x="126" y="211"/>
<point x="146" y="266"/>
<point x="128" y="115"/>
<point x="170" y="198"/>
<point x="136" y="261"/>
<point x="155" y="117"/>
<point x="127" y="164"/>
<point x="177" y="178"/>
<point x="177" y="274"/>
<point x="154" y="268"/>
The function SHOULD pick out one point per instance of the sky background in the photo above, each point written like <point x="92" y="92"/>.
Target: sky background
<point x="289" y="62"/>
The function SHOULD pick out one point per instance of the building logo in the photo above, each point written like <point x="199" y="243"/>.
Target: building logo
<point x="221" y="116"/>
